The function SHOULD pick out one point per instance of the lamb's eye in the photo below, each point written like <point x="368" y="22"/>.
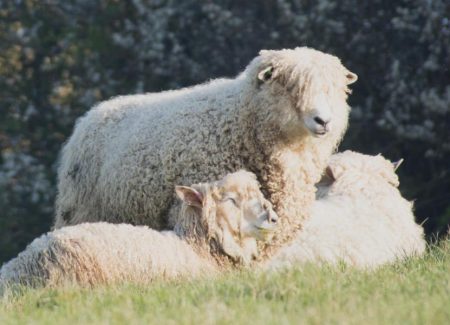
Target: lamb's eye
<point x="232" y="200"/>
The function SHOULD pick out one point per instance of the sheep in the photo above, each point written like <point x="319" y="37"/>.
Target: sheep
<point x="359" y="218"/>
<point x="217" y="230"/>
<point x="281" y="118"/>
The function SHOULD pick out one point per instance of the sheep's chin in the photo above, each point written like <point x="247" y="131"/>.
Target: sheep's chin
<point x="263" y="231"/>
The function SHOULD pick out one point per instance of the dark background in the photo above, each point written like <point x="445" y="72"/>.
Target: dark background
<point x="58" y="58"/>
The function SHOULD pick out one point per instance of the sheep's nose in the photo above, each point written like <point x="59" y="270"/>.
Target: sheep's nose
<point x="321" y="121"/>
<point x="272" y="217"/>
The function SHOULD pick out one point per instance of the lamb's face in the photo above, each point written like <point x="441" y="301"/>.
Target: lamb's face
<point x="236" y="213"/>
<point x="242" y="208"/>
<point x="307" y="89"/>
<point x="243" y="216"/>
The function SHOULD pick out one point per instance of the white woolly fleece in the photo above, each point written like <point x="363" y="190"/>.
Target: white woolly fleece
<point x="360" y="219"/>
<point x="96" y="253"/>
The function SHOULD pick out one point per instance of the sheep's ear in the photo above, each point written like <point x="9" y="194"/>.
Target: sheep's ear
<point x="334" y="172"/>
<point x="190" y="196"/>
<point x="351" y="77"/>
<point x="397" y="164"/>
<point x="265" y="74"/>
<point x="329" y="173"/>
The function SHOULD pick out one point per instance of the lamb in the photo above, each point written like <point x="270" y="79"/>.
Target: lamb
<point x="281" y="118"/>
<point x="359" y="218"/>
<point x="217" y="230"/>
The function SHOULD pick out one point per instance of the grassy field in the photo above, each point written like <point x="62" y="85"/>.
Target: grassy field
<point x="413" y="292"/>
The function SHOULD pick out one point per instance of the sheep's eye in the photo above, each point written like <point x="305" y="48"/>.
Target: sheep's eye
<point x="232" y="200"/>
<point x="266" y="74"/>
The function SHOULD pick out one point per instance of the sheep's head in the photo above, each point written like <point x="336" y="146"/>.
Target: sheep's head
<point x="232" y="214"/>
<point x="361" y="167"/>
<point x="306" y="88"/>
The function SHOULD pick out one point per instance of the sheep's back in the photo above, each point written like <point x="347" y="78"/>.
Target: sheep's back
<point x="96" y="253"/>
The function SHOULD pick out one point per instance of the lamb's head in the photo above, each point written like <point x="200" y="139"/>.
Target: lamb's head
<point x="353" y="171"/>
<point x="306" y="90"/>
<point x="230" y="215"/>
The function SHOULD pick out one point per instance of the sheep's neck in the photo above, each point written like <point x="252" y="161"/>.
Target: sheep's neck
<point x="288" y="179"/>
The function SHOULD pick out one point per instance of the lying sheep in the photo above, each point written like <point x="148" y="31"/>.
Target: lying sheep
<point x="281" y="118"/>
<point x="217" y="229"/>
<point x="359" y="218"/>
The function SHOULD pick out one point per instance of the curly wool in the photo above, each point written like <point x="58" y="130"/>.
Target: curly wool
<point x="97" y="253"/>
<point x="360" y="218"/>
<point x="126" y="154"/>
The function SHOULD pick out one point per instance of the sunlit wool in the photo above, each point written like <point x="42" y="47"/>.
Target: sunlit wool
<point x="360" y="218"/>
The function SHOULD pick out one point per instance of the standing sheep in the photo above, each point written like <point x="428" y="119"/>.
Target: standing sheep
<point x="217" y="228"/>
<point x="281" y="118"/>
<point x="360" y="217"/>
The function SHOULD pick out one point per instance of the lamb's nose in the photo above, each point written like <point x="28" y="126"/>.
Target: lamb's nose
<point x="321" y="121"/>
<point x="272" y="217"/>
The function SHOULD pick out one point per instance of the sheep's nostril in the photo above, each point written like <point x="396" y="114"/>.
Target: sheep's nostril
<point x="272" y="218"/>
<point x="320" y="121"/>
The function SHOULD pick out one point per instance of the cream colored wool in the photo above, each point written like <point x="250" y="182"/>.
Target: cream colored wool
<point x="217" y="230"/>
<point x="95" y="253"/>
<point x="281" y="118"/>
<point x="360" y="218"/>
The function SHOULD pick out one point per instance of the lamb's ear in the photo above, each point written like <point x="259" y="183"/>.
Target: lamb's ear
<point x="351" y="77"/>
<point x="329" y="173"/>
<point x="397" y="164"/>
<point x="334" y="172"/>
<point x="265" y="74"/>
<point x="190" y="196"/>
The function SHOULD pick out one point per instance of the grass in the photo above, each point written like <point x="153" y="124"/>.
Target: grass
<point x="416" y="291"/>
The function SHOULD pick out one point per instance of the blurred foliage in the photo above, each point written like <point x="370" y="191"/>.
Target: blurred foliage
<point x="58" y="58"/>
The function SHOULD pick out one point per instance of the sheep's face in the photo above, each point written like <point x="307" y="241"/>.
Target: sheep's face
<point x="240" y="202"/>
<point x="236" y="213"/>
<point x="307" y="90"/>
<point x="352" y="164"/>
<point x="243" y="215"/>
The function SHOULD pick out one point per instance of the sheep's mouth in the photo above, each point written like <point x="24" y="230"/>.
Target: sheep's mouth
<point x="262" y="233"/>
<point x="265" y="229"/>
<point x="320" y="133"/>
